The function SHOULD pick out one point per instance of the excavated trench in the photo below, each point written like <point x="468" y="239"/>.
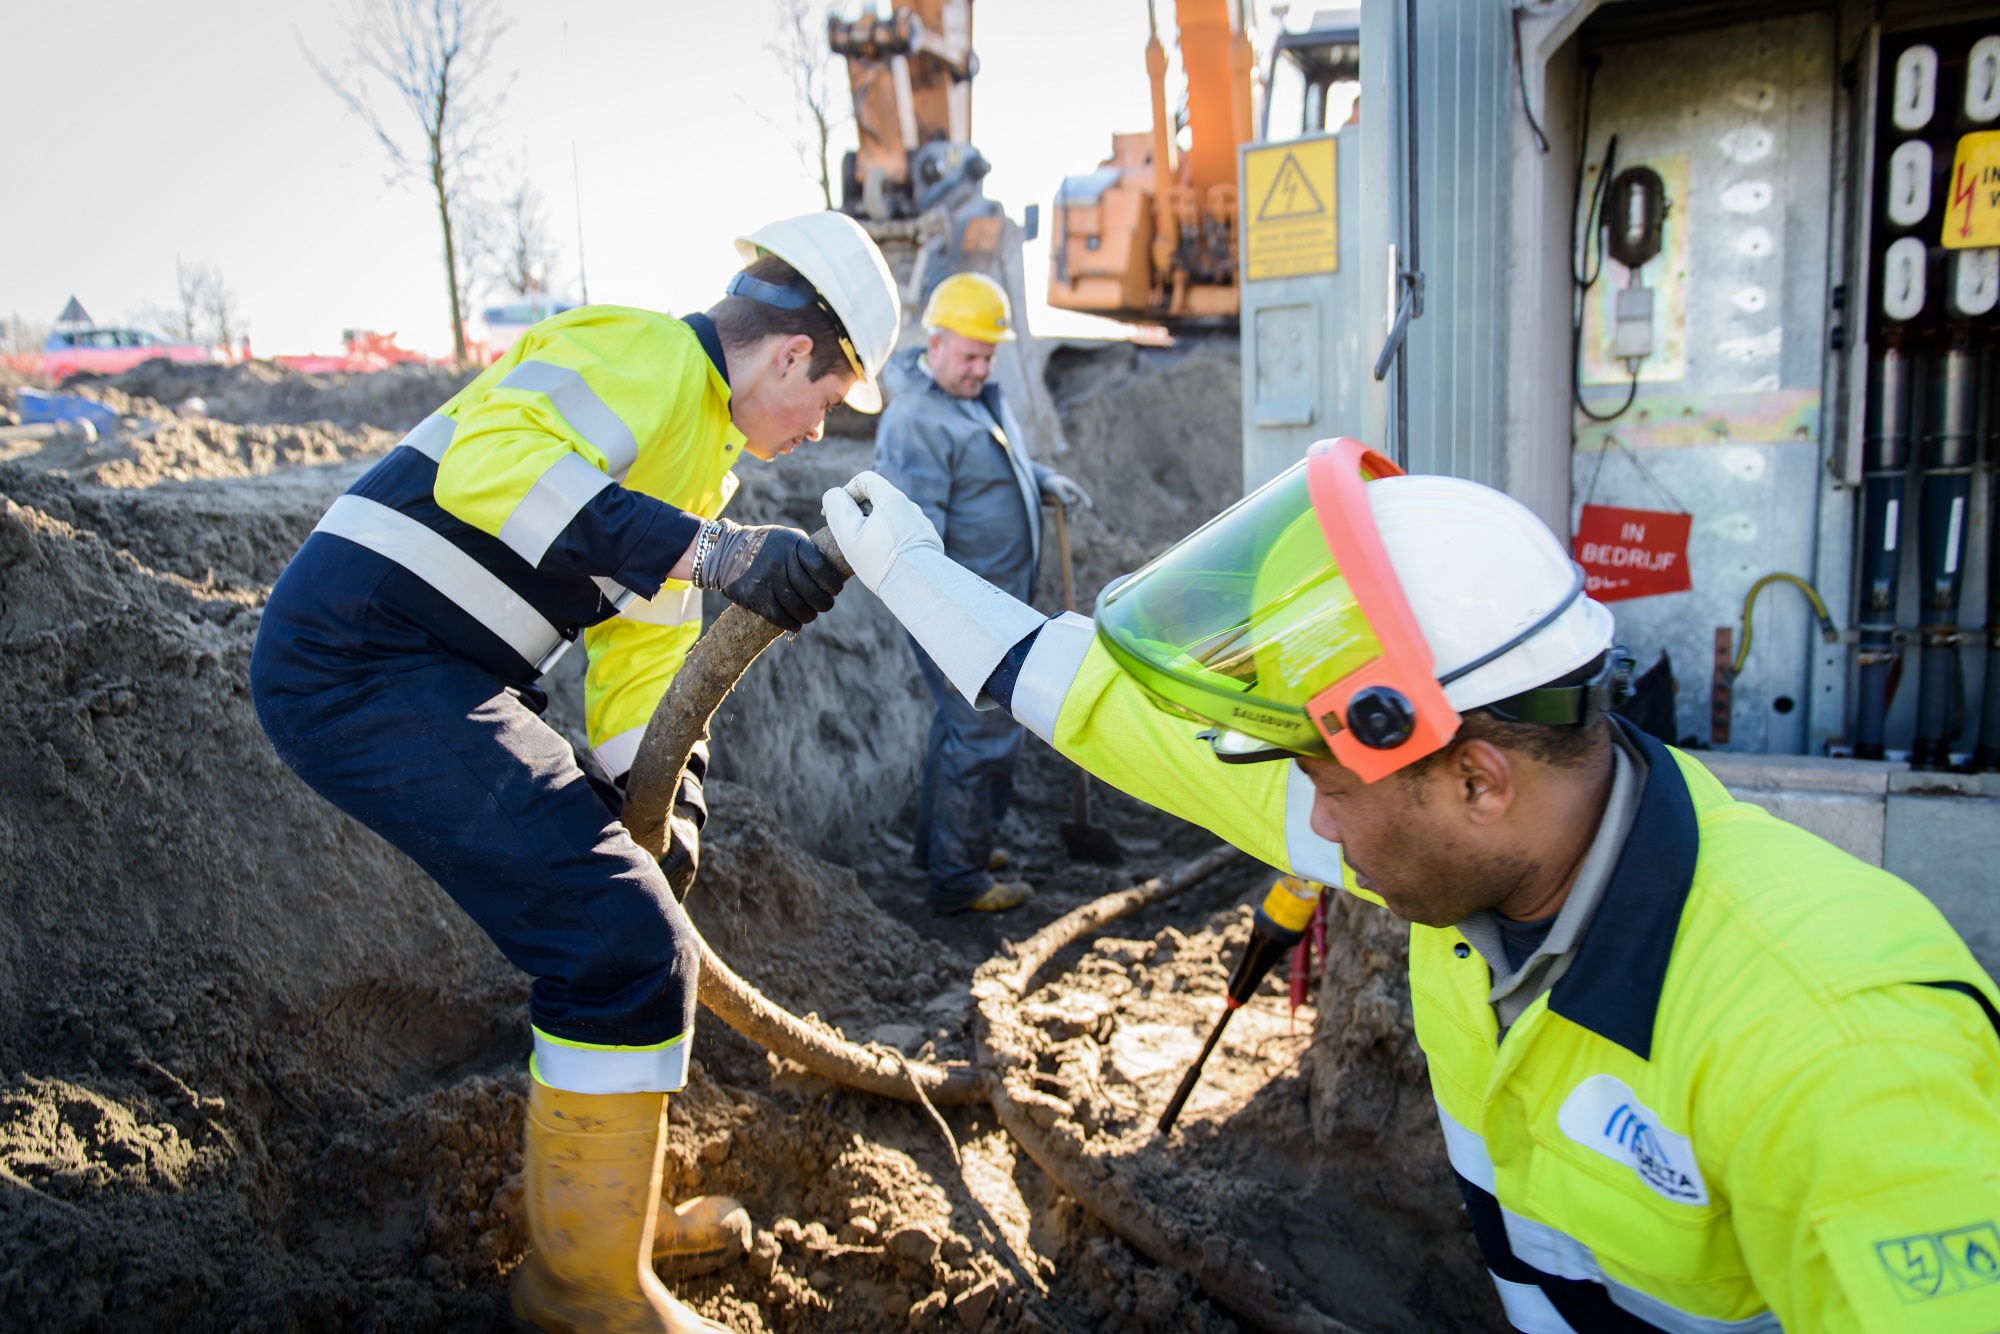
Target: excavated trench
<point x="258" y="1073"/>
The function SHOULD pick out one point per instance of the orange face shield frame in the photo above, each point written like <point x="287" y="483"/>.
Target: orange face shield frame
<point x="1391" y="712"/>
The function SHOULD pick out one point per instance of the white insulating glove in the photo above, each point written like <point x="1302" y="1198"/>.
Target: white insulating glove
<point x="964" y="623"/>
<point x="1066" y="493"/>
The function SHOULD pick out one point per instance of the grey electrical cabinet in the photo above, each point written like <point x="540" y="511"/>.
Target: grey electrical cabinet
<point x="1301" y="342"/>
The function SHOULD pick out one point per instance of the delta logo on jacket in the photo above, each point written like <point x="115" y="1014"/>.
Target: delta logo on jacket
<point x="1605" y="1116"/>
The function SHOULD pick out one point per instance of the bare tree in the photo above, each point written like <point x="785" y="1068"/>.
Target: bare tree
<point x="20" y="338"/>
<point x="481" y="249"/>
<point x="529" y="257"/>
<point x="182" y="319"/>
<point x="204" y="309"/>
<point x="802" y="52"/>
<point x="221" y="321"/>
<point x="432" y="55"/>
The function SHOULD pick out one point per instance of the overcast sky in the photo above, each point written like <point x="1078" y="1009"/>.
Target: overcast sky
<point x="150" y="130"/>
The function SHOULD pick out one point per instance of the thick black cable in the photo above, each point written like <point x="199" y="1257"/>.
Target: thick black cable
<point x="1521" y="77"/>
<point x="1581" y="274"/>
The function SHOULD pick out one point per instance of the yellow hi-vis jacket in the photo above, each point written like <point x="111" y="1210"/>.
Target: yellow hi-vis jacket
<point x="596" y="398"/>
<point x="1766" y="1093"/>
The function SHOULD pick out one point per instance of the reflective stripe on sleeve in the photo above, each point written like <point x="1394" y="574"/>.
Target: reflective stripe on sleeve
<point x="581" y="1067"/>
<point x="614" y="592"/>
<point x="1312" y="857"/>
<point x="615" y="754"/>
<point x="432" y="558"/>
<point x="1553" y="1252"/>
<point x="581" y="408"/>
<point x="564" y="488"/>
<point x="1529" y="1309"/>
<point x="674" y="606"/>
<point x="1053" y="662"/>
<point x="431" y="437"/>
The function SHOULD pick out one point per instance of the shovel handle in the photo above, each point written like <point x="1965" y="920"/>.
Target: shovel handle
<point x="1062" y="546"/>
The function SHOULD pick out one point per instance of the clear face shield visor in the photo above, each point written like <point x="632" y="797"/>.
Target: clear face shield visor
<point x="1281" y="624"/>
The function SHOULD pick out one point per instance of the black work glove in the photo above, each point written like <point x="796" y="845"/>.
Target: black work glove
<point x="770" y="569"/>
<point x="682" y="857"/>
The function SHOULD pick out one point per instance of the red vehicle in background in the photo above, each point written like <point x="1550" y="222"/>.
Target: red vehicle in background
<point x="109" y="351"/>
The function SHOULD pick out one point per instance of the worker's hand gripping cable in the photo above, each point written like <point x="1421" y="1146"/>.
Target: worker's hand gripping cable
<point x="771" y="570"/>
<point x="964" y="623"/>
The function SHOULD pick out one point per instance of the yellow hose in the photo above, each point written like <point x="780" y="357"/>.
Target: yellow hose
<point x="1826" y="626"/>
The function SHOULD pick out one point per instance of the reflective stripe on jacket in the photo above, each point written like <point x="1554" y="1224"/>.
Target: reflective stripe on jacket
<point x="552" y="495"/>
<point x="1766" y="1094"/>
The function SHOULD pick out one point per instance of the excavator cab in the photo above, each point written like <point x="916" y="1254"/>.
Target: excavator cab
<point x="1313" y="83"/>
<point x="1150" y="235"/>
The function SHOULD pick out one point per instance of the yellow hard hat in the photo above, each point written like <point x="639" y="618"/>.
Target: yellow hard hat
<point x="971" y="304"/>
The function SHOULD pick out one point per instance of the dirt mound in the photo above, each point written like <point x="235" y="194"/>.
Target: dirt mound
<point x="264" y="391"/>
<point x="216" y="993"/>
<point x="1156" y="437"/>
<point x="1363" y="1224"/>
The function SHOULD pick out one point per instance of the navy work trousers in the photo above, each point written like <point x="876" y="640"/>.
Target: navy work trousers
<point x="968" y="786"/>
<point x="443" y="760"/>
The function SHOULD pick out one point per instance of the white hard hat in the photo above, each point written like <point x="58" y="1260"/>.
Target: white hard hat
<point x="1479" y="569"/>
<point x="843" y="264"/>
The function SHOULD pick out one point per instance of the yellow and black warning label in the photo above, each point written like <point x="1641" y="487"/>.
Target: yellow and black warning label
<point x="1973" y="219"/>
<point x="1289" y="210"/>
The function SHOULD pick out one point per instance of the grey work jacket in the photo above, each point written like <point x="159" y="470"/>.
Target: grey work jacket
<point x="967" y="464"/>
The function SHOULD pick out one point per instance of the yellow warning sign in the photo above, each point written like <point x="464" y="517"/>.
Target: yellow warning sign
<point x="1289" y="209"/>
<point x="1973" y="219"/>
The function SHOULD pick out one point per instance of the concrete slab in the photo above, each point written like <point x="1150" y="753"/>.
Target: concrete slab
<point x="1945" y="846"/>
<point x="1853" y="823"/>
<point x="1804" y="773"/>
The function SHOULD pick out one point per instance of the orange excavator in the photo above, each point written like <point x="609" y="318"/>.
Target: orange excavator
<point x="1129" y="246"/>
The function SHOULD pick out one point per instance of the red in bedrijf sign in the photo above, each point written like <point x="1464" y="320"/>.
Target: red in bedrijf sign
<point x="1633" y="553"/>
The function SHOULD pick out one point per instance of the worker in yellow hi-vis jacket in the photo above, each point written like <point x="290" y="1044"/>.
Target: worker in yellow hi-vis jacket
<point x="573" y="489"/>
<point x="1697" y="1070"/>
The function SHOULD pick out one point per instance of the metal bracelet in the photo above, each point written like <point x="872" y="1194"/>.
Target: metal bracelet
<point x="704" y="543"/>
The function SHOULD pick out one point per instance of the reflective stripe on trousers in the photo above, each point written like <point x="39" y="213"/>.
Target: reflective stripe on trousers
<point x="577" y="1067"/>
<point x="1561" y="1256"/>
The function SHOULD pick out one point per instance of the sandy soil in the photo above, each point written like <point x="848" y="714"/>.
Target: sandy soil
<point x="258" y="1073"/>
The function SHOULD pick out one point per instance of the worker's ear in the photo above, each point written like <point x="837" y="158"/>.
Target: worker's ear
<point x="1481" y="779"/>
<point x="794" y="352"/>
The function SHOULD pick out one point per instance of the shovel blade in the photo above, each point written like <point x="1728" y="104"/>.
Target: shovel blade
<point x="1091" y="843"/>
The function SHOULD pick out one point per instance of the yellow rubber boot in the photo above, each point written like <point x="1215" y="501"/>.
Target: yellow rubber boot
<point x="592" y="1186"/>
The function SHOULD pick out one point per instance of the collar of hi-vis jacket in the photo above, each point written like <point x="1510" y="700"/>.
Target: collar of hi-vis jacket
<point x="711" y="343"/>
<point x="1007" y="433"/>
<point x="1613" y="986"/>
